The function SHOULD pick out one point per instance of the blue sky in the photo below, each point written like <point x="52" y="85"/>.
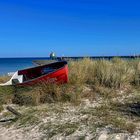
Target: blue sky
<point x="69" y="27"/>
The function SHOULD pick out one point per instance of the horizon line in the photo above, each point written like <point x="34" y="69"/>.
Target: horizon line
<point x="135" y="55"/>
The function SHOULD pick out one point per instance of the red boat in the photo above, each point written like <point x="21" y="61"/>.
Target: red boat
<point x="51" y="73"/>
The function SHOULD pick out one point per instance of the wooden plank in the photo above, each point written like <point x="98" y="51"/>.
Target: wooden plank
<point x="16" y="113"/>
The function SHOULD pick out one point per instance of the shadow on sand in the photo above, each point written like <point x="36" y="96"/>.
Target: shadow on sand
<point x="131" y="109"/>
<point x="8" y="120"/>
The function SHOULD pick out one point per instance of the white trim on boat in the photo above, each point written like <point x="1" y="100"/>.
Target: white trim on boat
<point x="14" y="80"/>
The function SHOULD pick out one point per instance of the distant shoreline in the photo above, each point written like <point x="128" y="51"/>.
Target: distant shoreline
<point x="98" y="56"/>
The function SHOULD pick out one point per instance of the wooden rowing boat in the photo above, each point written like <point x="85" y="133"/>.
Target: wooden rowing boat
<point x="51" y="73"/>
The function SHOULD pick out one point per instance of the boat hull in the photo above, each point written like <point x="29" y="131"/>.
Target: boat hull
<point x="58" y="77"/>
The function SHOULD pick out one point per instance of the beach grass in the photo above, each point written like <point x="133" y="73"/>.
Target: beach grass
<point x="4" y="79"/>
<point x="116" y="73"/>
<point x="6" y="94"/>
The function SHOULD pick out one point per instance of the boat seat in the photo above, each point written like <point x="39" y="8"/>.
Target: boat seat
<point x="15" y="81"/>
<point x="47" y="70"/>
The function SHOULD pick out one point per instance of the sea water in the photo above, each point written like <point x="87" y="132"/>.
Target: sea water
<point x="8" y="65"/>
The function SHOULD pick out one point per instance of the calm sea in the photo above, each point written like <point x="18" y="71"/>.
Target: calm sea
<point x="13" y="64"/>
